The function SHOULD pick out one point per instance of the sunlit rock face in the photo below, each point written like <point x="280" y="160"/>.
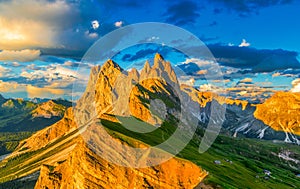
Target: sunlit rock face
<point x="281" y="112"/>
<point x="85" y="169"/>
<point x="130" y="93"/>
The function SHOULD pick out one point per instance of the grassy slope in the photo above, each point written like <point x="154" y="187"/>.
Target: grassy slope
<point x="26" y="162"/>
<point x="249" y="158"/>
<point x="9" y="141"/>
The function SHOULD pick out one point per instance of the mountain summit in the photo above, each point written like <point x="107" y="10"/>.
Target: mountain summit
<point x="124" y="93"/>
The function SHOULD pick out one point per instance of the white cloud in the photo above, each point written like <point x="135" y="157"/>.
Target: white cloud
<point x="244" y="43"/>
<point x="15" y="64"/>
<point x="95" y="24"/>
<point x="153" y="38"/>
<point x="43" y="92"/>
<point x="32" y="91"/>
<point x="276" y="74"/>
<point x="210" y="87"/>
<point x="26" y="55"/>
<point x="53" y="72"/>
<point x="10" y="87"/>
<point x="246" y="80"/>
<point x="69" y="63"/>
<point x="119" y="24"/>
<point x="199" y="62"/>
<point x="230" y="44"/>
<point x="296" y="86"/>
<point x="91" y="35"/>
<point x="4" y="71"/>
<point x="32" y="67"/>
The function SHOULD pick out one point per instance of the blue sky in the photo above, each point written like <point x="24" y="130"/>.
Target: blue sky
<point x="256" y="43"/>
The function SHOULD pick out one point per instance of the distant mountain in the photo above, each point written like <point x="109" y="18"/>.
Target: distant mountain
<point x="38" y="100"/>
<point x="240" y="118"/>
<point x="17" y="115"/>
<point x="282" y="113"/>
<point x="48" y="110"/>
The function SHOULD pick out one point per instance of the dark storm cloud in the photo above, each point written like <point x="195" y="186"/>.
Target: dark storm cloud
<point x="247" y="7"/>
<point x="255" y="59"/>
<point x="61" y="52"/>
<point x="140" y="54"/>
<point x="183" y="12"/>
<point x="147" y="52"/>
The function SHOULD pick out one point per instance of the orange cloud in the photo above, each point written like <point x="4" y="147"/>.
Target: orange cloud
<point x="31" y="23"/>
<point x="202" y="72"/>
<point x="43" y="92"/>
<point x="21" y="56"/>
<point x="246" y="80"/>
<point x="276" y="74"/>
<point x="296" y="85"/>
<point x="10" y="87"/>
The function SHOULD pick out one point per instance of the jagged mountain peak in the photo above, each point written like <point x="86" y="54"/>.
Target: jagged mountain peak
<point x="158" y="57"/>
<point x="159" y="61"/>
<point x="147" y="66"/>
<point x="134" y="74"/>
<point x="109" y="65"/>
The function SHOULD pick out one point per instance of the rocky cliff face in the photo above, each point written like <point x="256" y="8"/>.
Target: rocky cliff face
<point x="281" y="112"/>
<point x="49" y="134"/>
<point x="129" y="93"/>
<point x="85" y="169"/>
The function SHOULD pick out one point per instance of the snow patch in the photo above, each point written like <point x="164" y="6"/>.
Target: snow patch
<point x="262" y="132"/>
<point x="242" y="128"/>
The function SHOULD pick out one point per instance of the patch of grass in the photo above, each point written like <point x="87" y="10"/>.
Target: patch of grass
<point x="9" y="141"/>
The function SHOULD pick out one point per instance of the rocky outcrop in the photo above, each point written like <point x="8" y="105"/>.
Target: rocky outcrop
<point x="128" y="93"/>
<point x="85" y="169"/>
<point x="281" y="112"/>
<point x="49" y="134"/>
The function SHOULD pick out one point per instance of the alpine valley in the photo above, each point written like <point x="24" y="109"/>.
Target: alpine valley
<point x="54" y="145"/>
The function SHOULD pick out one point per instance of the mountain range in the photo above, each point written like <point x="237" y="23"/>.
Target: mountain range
<point x="72" y="151"/>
